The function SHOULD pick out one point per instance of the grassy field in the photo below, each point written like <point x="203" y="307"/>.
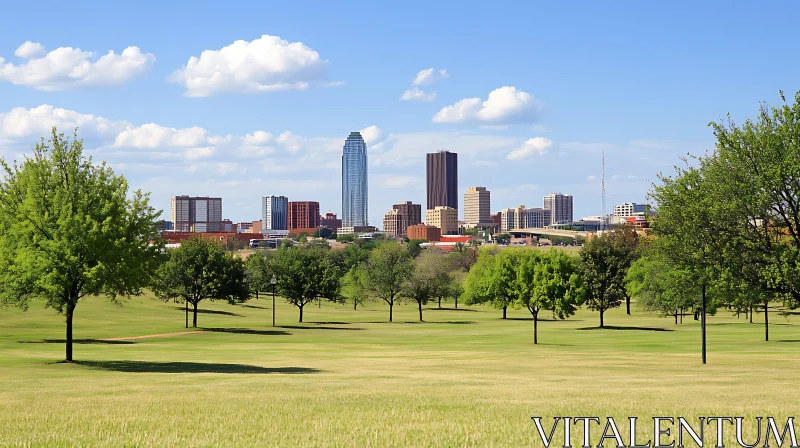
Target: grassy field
<point x="348" y="378"/>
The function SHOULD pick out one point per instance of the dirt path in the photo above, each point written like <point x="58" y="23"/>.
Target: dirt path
<point x="148" y="336"/>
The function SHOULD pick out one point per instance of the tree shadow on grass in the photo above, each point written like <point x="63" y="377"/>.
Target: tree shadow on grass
<point x="614" y="327"/>
<point x="788" y="340"/>
<point x="248" y="331"/>
<point x="78" y="341"/>
<point x="452" y="322"/>
<point x="530" y="319"/>
<point x="199" y="311"/>
<point x="329" y="323"/>
<point x="254" y="306"/>
<point x="433" y="308"/>
<point x="298" y="327"/>
<point x="188" y="367"/>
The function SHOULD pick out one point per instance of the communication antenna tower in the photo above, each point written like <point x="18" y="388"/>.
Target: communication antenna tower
<point x="603" y="191"/>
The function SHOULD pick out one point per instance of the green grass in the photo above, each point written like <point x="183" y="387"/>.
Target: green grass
<point x="348" y="378"/>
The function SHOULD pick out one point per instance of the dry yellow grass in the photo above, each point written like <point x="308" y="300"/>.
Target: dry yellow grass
<point x="347" y="378"/>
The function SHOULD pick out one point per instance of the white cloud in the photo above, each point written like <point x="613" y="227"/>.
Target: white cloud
<point x="37" y="122"/>
<point x="591" y="178"/>
<point x="505" y="105"/>
<point x="401" y="182"/>
<point x="29" y="50"/>
<point x="415" y="94"/>
<point x="428" y="76"/>
<point x="371" y="135"/>
<point x="152" y="136"/>
<point x="68" y="68"/>
<point x="199" y="153"/>
<point x="536" y="146"/>
<point x="266" y="64"/>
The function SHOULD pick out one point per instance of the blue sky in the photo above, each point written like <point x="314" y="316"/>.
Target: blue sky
<point x="269" y="115"/>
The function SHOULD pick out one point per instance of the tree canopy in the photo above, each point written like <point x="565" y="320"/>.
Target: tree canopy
<point x="305" y="274"/>
<point x="69" y="228"/>
<point x="386" y="271"/>
<point x="202" y="270"/>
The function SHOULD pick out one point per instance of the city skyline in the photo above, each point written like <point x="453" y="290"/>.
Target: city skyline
<point x="526" y="117"/>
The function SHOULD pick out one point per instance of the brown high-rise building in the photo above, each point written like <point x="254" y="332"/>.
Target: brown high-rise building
<point x="411" y="213"/>
<point x="442" y="170"/>
<point x="303" y="216"/>
<point x="196" y="214"/>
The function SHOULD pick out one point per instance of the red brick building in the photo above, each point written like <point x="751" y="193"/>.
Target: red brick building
<point x="303" y="215"/>
<point x="330" y="221"/>
<point x="423" y="232"/>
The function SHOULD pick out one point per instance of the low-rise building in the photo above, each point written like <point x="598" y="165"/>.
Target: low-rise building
<point x="630" y="209"/>
<point x="443" y="217"/>
<point x="330" y="221"/>
<point x="350" y="230"/>
<point x="424" y="232"/>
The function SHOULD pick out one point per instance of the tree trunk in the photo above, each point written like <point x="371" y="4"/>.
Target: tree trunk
<point x="601" y="318"/>
<point x="766" y="320"/>
<point x="420" y="311"/>
<point x="696" y="315"/>
<point x="751" y="314"/>
<point x="682" y="315"/>
<point x="535" y="326"/>
<point x="391" y="305"/>
<point x="186" y="308"/>
<point x="440" y="303"/>
<point x="70" y="313"/>
<point x="355" y="305"/>
<point x="194" y="318"/>
<point x="628" y="304"/>
<point x="504" y="311"/>
<point x="301" y="312"/>
<point x="456" y="300"/>
<point x="676" y="317"/>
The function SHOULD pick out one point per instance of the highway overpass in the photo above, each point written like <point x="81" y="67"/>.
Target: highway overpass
<point x="554" y="232"/>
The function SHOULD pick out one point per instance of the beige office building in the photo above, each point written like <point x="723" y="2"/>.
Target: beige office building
<point x="445" y="218"/>
<point x="477" y="208"/>
<point x="393" y="223"/>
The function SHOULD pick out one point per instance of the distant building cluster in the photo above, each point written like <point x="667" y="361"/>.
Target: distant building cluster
<point x="440" y="220"/>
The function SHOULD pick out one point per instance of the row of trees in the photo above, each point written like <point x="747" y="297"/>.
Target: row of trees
<point x="729" y="221"/>
<point x="390" y="272"/>
<point x="553" y="281"/>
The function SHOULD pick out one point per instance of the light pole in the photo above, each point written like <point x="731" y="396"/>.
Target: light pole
<point x="273" y="282"/>
<point x="703" y="322"/>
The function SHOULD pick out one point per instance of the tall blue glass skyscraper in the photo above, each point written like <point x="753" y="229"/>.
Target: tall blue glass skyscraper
<point x="354" y="181"/>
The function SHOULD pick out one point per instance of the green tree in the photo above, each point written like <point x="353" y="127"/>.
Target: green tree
<point x="354" y="286"/>
<point x="349" y="238"/>
<point x="625" y="242"/>
<point x="421" y="285"/>
<point x="662" y="287"/>
<point x="490" y="281"/>
<point x="305" y="274"/>
<point x="259" y="272"/>
<point x="387" y="270"/>
<point x="415" y="247"/>
<point x="464" y="256"/>
<point x="68" y="229"/>
<point x="601" y="275"/>
<point x="546" y="281"/>
<point x="201" y="270"/>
